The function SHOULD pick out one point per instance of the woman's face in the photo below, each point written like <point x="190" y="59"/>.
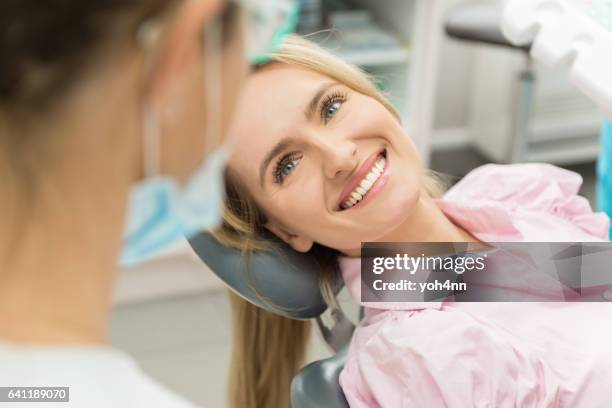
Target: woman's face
<point x="324" y="163"/>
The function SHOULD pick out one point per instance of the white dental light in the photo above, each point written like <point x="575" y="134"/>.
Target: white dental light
<point x="572" y="34"/>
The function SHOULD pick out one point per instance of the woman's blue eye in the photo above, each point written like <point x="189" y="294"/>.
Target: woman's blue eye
<point x="332" y="105"/>
<point x="288" y="168"/>
<point x="285" y="167"/>
<point x="332" y="109"/>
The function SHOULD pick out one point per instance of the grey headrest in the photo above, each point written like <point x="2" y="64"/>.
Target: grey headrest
<point x="289" y="280"/>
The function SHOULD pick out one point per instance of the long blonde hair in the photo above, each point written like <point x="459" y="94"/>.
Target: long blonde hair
<point x="268" y="349"/>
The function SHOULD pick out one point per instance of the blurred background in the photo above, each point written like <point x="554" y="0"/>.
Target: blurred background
<point x="465" y="103"/>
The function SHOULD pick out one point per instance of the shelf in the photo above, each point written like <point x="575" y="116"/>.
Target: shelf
<point x="565" y="157"/>
<point x="175" y="271"/>
<point x="349" y="47"/>
<point x="357" y="37"/>
<point x="570" y="125"/>
<point x="374" y="57"/>
<point x="566" y="151"/>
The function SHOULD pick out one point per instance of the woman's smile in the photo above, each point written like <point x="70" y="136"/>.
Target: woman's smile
<point x="365" y="184"/>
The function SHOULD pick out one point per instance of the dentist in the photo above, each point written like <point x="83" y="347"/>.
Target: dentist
<point x="111" y="116"/>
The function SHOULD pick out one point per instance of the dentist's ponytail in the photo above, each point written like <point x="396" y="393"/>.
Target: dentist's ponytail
<point x="268" y="350"/>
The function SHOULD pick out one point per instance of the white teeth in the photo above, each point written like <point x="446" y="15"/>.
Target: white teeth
<point x="365" y="185"/>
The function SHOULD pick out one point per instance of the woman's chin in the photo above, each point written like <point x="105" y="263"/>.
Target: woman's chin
<point x="390" y="212"/>
<point x="399" y="202"/>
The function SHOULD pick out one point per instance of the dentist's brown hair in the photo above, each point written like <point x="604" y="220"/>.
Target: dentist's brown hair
<point x="268" y="350"/>
<point x="46" y="46"/>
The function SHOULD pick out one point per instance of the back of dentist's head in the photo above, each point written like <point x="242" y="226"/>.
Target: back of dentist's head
<point x="49" y="49"/>
<point x="268" y="350"/>
<point x="131" y="96"/>
<point x="46" y="47"/>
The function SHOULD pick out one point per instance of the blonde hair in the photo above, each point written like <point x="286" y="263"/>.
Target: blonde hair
<point x="268" y="349"/>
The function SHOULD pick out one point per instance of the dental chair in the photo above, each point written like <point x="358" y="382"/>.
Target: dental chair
<point x="480" y="22"/>
<point x="289" y="281"/>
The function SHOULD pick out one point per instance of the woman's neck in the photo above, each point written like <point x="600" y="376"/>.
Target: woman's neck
<point x="426" y="223"/>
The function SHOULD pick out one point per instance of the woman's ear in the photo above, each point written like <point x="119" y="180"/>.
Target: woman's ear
<point x="297" y="242"/>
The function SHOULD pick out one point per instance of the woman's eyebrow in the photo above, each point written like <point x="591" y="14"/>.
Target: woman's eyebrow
<point x="286" y="142"/>
<point x="278" y="148"/>
<point x="314" y="102"/>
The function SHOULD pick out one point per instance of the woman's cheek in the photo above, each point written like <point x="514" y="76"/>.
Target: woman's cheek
<point x="371" y="121"/>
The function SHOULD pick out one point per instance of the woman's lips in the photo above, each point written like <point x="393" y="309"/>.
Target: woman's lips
<point x="356" y="179"/>
<point x="375" y="189"/>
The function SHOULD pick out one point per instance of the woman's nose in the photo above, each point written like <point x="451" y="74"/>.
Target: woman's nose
<point x="339" y="156"/>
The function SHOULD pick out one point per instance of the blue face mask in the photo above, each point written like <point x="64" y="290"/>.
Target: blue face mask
<point x="161" y="211"/>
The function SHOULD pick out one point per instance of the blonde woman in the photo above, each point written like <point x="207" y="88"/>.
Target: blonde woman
<point x="312" y="128"/>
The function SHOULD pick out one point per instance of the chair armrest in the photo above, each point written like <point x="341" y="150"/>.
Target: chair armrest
<point x="317" y="384"/>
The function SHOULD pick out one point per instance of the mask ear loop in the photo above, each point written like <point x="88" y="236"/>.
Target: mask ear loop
<point x="148" y="33"/>
<point x="213" y="79"/>
<point x="151" y="142"/>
